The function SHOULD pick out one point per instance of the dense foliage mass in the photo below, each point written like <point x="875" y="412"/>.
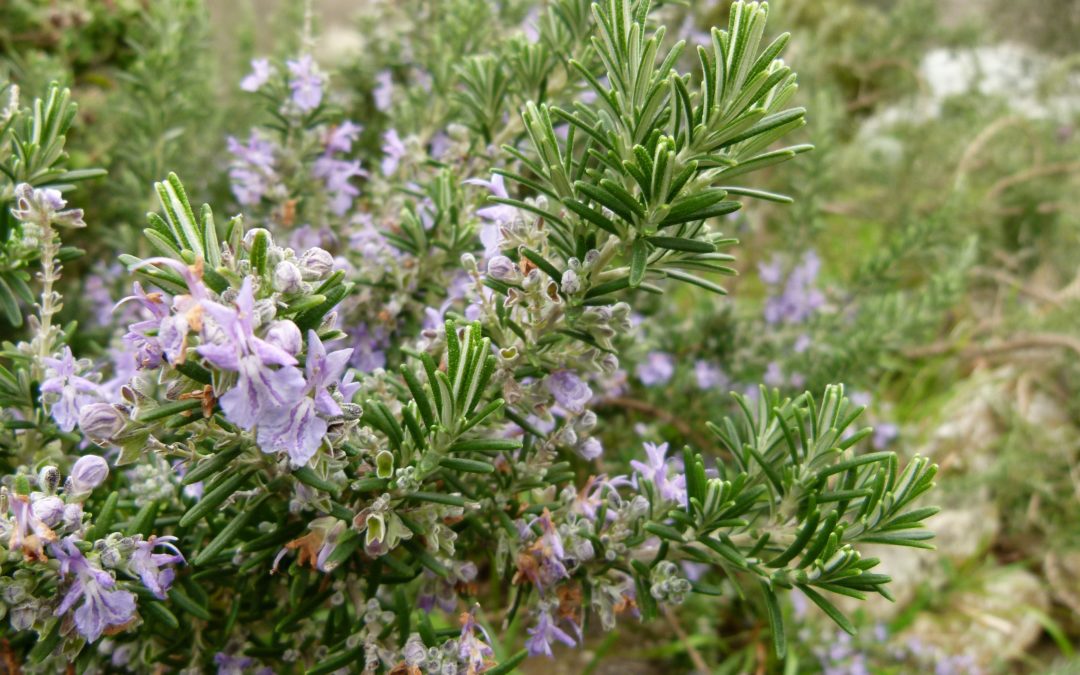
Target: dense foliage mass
<point x="456" y="383"/>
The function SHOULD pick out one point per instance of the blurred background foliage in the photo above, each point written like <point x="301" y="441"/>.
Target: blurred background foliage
<point x="940" y="203"/>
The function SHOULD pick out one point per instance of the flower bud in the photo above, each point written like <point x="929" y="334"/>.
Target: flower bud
<point x="48" y="479"/>
<point x="502" y="268"/>
<point x="88" y="473"/>
<point x="468" y="262"/>
<point x="73" y="515"/>
<point x="316" y="263"/>
<point x="286" y="335"/>
<point x="249" y="236"/>
<point x="570" y="282"/>
<point x="100" y="421"/>
<point x="287" y="277"/>
<point x="48" y="510"/>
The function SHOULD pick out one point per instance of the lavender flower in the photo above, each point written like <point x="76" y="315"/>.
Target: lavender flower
<point x="369" y="348"/>
<point x="710" y="376"/>
<point x="336" y="174"/>
<point x="261" y="72"/>
<point x="799" y="299"/>
<point x="306" y="83"/>
<point x="67" y="390"/>
<point x="569" y="390"/>
<point x="473" y="650"/>
<point x="545" y="632"/>
<point x="655" y="469"/>
<point x="43" y="206"/>
<point x="383" y="94"/>
<point x="29" y="531"/>
<point x="252" y="173"/>
<point x="149" y="566"/>
<point x="235" y="347"/>
<point x="393" y="151"/>
<point x="496" y="215"/>
<point x="102" y="606"/>
<point x="325" y="370"/>
<point x="342" y="137"/>
<point x="657" y="368"/>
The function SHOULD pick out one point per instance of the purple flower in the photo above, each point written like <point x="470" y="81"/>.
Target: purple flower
<point x="710" y="376"/>
<point x="30" y="531"/>
<point x="393" y="150"/>
<point x="384" y="90"/>
<point x="799" y="299"/>
<point x="261" y="72"/>
<point x="473" y="650"/>
<point x="774" y="375"/>
<point x="306" y="83"/>
<point x="542" y="563"/>
<point x="69" y="391"/>
<point x="369" y="348"/>
<point x="251" y="172"/>
<point x="102" y="607"/>
<point x="336" y="174"/>
<point x="149" y="566"/>
<point x="325" y="370"/>
<point x="235" y="347"/>
<point x="232" y="664"/>
<point x="569" y="390"/>
<point x="544" y="633"/>
<point x="884" y="434"/>
<point x="141" y="338"/>
<point x="43" y="205"/>
<point x="657" y="368"/>
<point x="341" y="137"/>
<point x="655" y="469"/>
<point x="297" y="431"/>
<point x="591" y="449"/>
<point x="496" y="215"/>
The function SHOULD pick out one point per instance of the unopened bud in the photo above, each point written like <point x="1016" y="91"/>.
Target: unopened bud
<point x="316" y="263"/>
<point x="100" y="421"/>
<point x="287" y="277"/>
<point x="88" y="473"/>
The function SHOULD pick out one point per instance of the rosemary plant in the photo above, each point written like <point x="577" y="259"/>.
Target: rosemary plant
<point x="371" y="395"/>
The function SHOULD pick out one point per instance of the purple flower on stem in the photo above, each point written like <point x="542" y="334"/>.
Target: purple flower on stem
<point x="306" y="83"/>
<point x="569" y="390"/>
<point x="799" y="299"/>
<point x="69" y="391"/>
<point x="655" y="469"/>
<point x="102" y="606"/>
<point x="657" y="368"/>
<point x="710" y="376"/>
<point x="261" y="72"/>
<point x="29" y="532"/>
<point x="323" y="371"/>
<point x="496" y="215"/>
<point x="369" y="348"/>
<point x="393" y="151"/>
<point x="341" y="137"/>
<point x="336" y="174"/>
<point x="251" y="172"/>
<point x="544" y="633"/>
<point x="384" y="90"/>
<point x="474" y="651"/>
<point x="150" y="566"/>
<point x="235" y="347"/>
<point x="542" y="561"/>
